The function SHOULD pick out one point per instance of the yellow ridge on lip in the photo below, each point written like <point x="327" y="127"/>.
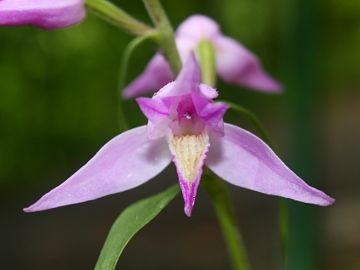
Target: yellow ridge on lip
<point x="189" y="151"/>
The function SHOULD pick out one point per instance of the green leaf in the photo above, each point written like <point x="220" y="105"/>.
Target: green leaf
<point x="130" y="221"/>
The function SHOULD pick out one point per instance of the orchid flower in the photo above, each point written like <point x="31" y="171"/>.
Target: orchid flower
<point x="48" y="14"/>
<point x="186" y="126"/>
<point x="234" y="63"/>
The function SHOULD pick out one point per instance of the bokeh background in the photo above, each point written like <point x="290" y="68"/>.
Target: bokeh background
<point x="58" y="104"/>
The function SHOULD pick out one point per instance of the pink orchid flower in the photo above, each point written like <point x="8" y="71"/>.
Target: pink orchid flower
<point x="234" y="63"/>
<point x="48" y="14"/>
<point x="186" y="126"/>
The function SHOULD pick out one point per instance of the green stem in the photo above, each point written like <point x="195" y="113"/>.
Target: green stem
<point x="283" y="219"/>
<point x="254" y="120"/>
<point x="166" y="39"/>
<point x="117" y="17"/>
<point x="130" y="48"/>
<point x="206" y="55"/>
<point x="217" y="189"/>
<point x="226" y="216"/>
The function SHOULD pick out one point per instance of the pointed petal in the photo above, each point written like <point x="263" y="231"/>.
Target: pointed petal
<point x="237" y="65"/>
<point x="42" y="13"/>
<point x="127" y="161"/>
<point x="244" y="160"/>
<point x="211" y="112"/>
<point x="189" y="153"/>
<point x="152" y="108"/>
<point x="208" y="91"/>
<point x="157" y="114"/>
<point x="189" y="77"/>
<point x="156" y="74"/>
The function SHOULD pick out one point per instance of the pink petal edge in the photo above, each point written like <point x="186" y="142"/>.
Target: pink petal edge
<point x="236" y="64"/>
<point x="189" y="190"/>
<point x="42" y="13"/>
<point x="156" y="75"/>
<point x="125" y="162"/>
<point x="244" y="160"/>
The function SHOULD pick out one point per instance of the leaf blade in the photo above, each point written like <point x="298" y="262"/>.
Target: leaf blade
<point x="129" y="222"/>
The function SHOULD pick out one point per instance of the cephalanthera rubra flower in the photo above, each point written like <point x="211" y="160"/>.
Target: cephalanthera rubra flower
<point x="185" y="126"/>
<point x="234" y="63"/>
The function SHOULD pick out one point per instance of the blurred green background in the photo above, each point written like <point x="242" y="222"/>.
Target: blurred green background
<point x="58" y="105"/>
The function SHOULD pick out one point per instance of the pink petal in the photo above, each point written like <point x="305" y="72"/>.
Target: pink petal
<point x="189" y="78"/>
<point x="198" y="27"/>
<point x="237" y="65"/>
<point x="42" y="13"/>
<point x="157" y="113"/>
<point x="189" y="191"/>
<point x="157" y="74"/>
<point x="127" y="161"/>
<point x="211" y="112"/>
<point x="244" y="160"/>
<point x="208" y="91"/>
<point x="152" y="108"/>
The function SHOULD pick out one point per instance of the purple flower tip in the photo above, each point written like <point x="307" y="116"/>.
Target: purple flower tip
<point x="188" y="210"/>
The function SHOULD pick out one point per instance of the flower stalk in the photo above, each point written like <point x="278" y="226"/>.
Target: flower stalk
<point x="206" y="55"/>
<point x="216" y="189"/>
<point x="129" y="50"/>
<point x="253" y="119"/>
<point x="166" y="39"/>
<point x="224" y="211"/>
<point x="283" y="212"/>
<point x="118" y="17"/>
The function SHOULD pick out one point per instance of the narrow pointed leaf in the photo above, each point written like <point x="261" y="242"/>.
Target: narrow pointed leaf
<point x="130" y="221"/>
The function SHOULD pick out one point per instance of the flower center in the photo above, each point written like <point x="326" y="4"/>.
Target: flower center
<point x="187" y="116"/>
<point x="187" y="123"/>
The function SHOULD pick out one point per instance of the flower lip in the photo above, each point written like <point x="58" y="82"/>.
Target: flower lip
<point x="189" y="153"/>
